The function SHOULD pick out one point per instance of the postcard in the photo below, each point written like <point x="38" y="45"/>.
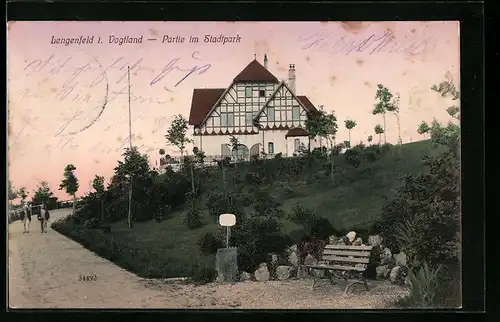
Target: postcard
<point x="248" y="165"/>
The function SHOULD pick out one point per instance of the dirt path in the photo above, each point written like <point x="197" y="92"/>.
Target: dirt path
<point x="44" y="274"/>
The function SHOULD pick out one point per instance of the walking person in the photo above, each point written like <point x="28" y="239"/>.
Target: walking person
<point x="44" y="218"/>
<point x="26" y="217"/>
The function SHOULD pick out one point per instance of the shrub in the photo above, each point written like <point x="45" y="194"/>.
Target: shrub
<point x="219" y="202"/>
<point x="386" y="147"/>
<point x="322" y="229"/>
<point x="193" y="218"/>
<point x="209" y="244"/>
<point x="203" y="273"/>
<point x="424" y="288"/>
<point x="352" y="156"/>
<point x="91" y="223"/>
<point x="266" y="205"/>
<point x="256" y="237"/>
<point x="302" y="217"/>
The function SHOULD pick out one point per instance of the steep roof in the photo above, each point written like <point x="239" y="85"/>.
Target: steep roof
<point x="202" y="102"/>
<point x="307" y="103"/>
<point x="296" y="132"/>
<point x="255" y="72"/>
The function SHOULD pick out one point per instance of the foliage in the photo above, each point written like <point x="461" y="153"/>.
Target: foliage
<point x="370" y="138"/>
<point x="209" y="244"/>
<point x="266" y="205"/>
<point x="177" y="133"/>
<point x="350" y="124"/>
<point x="202" y="274"/>
<point x="424" y="288"/>
<point x="423" y="128"/>
<point x="23" y="194"/>
<point x="302" y="217"/>
<point x="322" y="124"/>
<point x="193" y="218"/>
<point x="70" y="181"/>
<point x="12" y="192"/>
<point x="161" y="151"/>
<point x="91" y="223"/>
<point x="43" y="195"/>
<point x="322" y="228"/>
<point x="98" y="184"/>
<point x="220" y="202"/>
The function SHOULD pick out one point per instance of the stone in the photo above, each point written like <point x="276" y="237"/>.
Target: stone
<point x="318" y="273"/>
<point x="292" y="249"/>
<point x="340" y="241"/>
<point x="385" y="256"/>
<point x="302" y="272"/>
<point x="283" y="272"/>
<point x="310" y="260"/>
<point x="293" y="259"/>
<point x="351" y="236"/>
<point x="245" y="276"/>
<point x="262" y="273"/>
<point x="358" y="242"/>
<point x="394" y="273"/>
<point x="332" y="240"/>
<point x="375" y="240"/>
<point x="382" y="272"/>
<point x="401" y="275"/>
<point x="401" y="259"/>
<point x="226" y="263"/>
<point x="220" y="278"/>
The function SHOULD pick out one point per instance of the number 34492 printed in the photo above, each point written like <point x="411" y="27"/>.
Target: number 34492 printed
<point x="87" y="278"/>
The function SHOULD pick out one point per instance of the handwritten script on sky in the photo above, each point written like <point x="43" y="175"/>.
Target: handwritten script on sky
<point x="68" y="97"/>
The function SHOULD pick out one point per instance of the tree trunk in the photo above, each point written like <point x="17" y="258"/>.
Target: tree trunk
<point x="385" y="129"/>
<point x="74" y="204"/>
<point x="102" y="210"/>
<point x="332" y="175"/>
<point x="399" y="135"/>
<point x="349" y="130"/>
<point x="192" y="178"/>
<point x="223" y="175"/>
<point x="379" y="138"/>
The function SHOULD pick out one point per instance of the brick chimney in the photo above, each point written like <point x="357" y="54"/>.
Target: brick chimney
<point x="291" y="77"/>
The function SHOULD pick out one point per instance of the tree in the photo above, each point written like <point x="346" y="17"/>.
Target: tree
<point x="379" y="130"/>
<point x="162" y="151"/>
<point x="423" y="128"/>
<point x="384" y="104"/>
<point x="133" y="174"/>
<point x="23" y="194"/>
<point x="394" y="109"/>
<point x="177" y="133"/>
<point x="70" y="183"/>
<point x="12" y="193"/>
<point x="98" y="185"/>
<point x="322" y="124"/>
<point x="370" y="138"/>
<point x="350" y="124"/>
<point x="234" y="143"/>
<point x="43" y="195"/>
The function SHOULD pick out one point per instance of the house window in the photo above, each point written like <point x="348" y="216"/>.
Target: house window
<point x="248" y="91"/>
<point x="270" y="113"/>
<point x="295" y="113"/>
<point x="296" y="145"/>
<point x="249" y="116"/>
<point x="227" y="119"/>
<point x="262" y="93"/>
<point x="270" y="148"/>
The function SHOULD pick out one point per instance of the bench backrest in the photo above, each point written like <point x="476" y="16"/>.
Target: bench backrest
<point x="347" y="255"/>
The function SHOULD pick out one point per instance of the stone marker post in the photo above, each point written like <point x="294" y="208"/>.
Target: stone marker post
<point x="226" y="260"/>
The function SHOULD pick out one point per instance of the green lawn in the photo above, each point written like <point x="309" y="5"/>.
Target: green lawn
<point x="169" y="249"/>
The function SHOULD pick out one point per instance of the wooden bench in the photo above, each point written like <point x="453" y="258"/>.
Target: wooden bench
<point x="343" y="262"/>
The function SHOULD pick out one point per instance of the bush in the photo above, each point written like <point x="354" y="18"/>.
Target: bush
<point x="209" y="244"/>
<point x="302" y="217"/>
<point x="220" y="202"/>
<point x="256" y="237"/>
<point x="322" y="229"/>
<point x="266" y="205"/>
<point x="353" y="156"/>
<point x="193" y="218"/>
<point x="424" y="288"/>
<point x="202" y="274"/>
<point x="91" y="223"/>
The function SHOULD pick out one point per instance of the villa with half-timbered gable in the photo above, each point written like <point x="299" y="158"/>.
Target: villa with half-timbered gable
<point x="262" y="112"/>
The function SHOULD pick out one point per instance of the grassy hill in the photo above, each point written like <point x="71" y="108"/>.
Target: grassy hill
<point x="352" y="201"/>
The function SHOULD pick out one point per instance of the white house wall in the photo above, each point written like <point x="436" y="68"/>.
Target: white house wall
<point x="212" y="144"/>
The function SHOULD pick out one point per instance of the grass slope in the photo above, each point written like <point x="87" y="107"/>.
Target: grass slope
<point x="169" y="249"/>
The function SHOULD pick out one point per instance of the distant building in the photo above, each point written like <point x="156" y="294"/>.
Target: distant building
<point x="263" y="113"/>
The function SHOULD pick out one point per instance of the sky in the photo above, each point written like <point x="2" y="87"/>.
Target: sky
<point x="68" y="102"/>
